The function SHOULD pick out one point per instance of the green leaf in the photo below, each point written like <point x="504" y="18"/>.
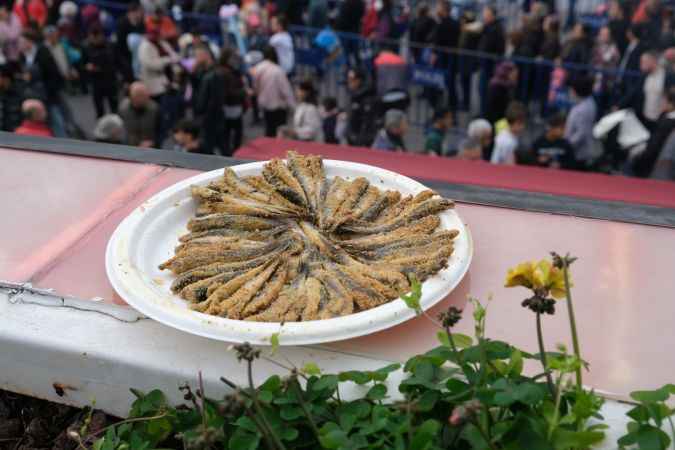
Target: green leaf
<point x="658" y="395"/>
<point x="242" y="440"/>
<point x="412" y="300"/>
<point x="272" y="384"/>
<point x="158" y="429"/>
<point x="326" y="382"/>
<point x="515" y="367"/>
<point x="566" y="439"/>
<point x="347" y="420"/>
<point x="652" y="438"/>
<point x="474" y="437"/>
<point x="311" y="368"/>
<point x="355" y="376"/>
<point x="527" y="392"/>
<point x="382" y="373"/>
<point x="265" y="396"/>
<point x="424" y="435"/>
<point x="428" y="400"/>
<point x="247" y="424"/>
<point x="460" y="340"/>
<point x="291" y="412"/>
<point x="147" y="404"/>
<point x="377" y="392"/>
<point x="289" y="434"/>
<point x="274" y="342"/>
<point x="332" y="436"/>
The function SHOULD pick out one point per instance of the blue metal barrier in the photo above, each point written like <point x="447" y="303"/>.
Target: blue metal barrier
<point x="427" y="84"/>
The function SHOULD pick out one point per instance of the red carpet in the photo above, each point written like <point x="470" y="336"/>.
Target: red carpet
<point x="533" y="179"/>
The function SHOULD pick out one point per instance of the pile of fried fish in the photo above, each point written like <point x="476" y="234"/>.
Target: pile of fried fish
<point x="293" y="245"/>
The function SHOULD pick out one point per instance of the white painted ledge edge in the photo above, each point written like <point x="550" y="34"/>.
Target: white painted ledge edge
<point x="97" y="351"/>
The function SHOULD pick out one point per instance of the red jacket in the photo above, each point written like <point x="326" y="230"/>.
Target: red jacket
<point x="37" y="11"/>
<point x="30" y="128"/>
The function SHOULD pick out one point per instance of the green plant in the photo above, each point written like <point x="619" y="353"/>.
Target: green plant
<point x="648" y="416"/>
<point x="470" y="392"/>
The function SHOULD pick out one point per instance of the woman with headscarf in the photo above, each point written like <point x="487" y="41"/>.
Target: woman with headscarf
<point x="501" y="91"/>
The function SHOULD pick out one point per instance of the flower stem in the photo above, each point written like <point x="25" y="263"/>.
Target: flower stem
<point x="556" y="412"/>
<point x="573" y="325"/>
<point x="542" y="354"/>
<point x="484" y="434"/>
<point x="258" y="409"/>
<point x="305" y="410"/>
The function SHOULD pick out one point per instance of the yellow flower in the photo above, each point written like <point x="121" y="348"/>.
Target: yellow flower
<point x="550" y="278"/>
<point x="536" y="276"/>
<point x="521" y="275"/>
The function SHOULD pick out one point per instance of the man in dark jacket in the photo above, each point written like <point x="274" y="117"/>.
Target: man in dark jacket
<point x="360" y="121"/>
<point x="644" y="162"/>
<point x="12" y="94"/>
<point x="141" y="117"/>
<point x="215" y="91"/>
<point x="100" y="62"/>
<point x="492" y="42"/>
<point x="630" y="60"/>
<point x="349" y="21"/>
<point x="130" y="23"/>
<point x="43" y="75"/>
<point x="445" y="39"/>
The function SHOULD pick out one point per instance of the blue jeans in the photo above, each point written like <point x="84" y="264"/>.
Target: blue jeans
<point x="57" y="120"/>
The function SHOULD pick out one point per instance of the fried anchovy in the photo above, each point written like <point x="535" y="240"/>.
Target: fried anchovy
<point x="277" y="310"/>
<point x="277" y="174"/>
<point x="232" y="306"/>
<point x="363" y="294"/>
<point x="185" y="262"/>
<point x="423" y="209"/>
<point x="302" y="170"/>
<point x="268" y="294"/>
<point x="373" y="241"/>
<point x="254" y="235"/>
<point x="312" y="295"/>
<point x="367" y="200"/>
<point x="231" y="221"/>
<point x="230" y="204"/>
<point x="210" y="270"/>
<point x="414" y="243"/>
<point x="211" y="304"/>
<point x="216" y="244"/>
<point x="352" y="195"/>
<point x="198" y="291"/>
<point x="263" y="186"/>
<point x="384" y="201"/>
<point x="340" y="301"/>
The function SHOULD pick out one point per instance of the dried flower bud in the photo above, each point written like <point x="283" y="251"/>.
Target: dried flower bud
<point x="562" y="261"/>
<point x="246" y="352"/>
<point x="540" y="304"/>
<point x="450" y="317"/>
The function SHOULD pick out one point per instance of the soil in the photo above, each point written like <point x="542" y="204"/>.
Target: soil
<point x="27" y="423"/>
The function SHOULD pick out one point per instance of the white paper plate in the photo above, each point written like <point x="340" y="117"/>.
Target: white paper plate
<point x="147" y="237"/>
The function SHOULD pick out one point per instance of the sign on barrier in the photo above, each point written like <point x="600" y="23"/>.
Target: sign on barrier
<point x="428" y="76"/>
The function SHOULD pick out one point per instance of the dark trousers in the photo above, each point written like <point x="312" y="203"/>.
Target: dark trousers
<point x="487" y="70"/>
<point x="103" y="93"/>
<point x="465" y="79"/>
<point x="449" y="63"/>
<point x="234" y="130"/>
<point x="274" y="118"/>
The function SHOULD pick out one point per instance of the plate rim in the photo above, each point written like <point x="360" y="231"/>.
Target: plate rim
<point x="264" y="330"/>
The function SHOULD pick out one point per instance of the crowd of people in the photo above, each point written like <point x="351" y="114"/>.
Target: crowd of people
<point x="158" y="78"/>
